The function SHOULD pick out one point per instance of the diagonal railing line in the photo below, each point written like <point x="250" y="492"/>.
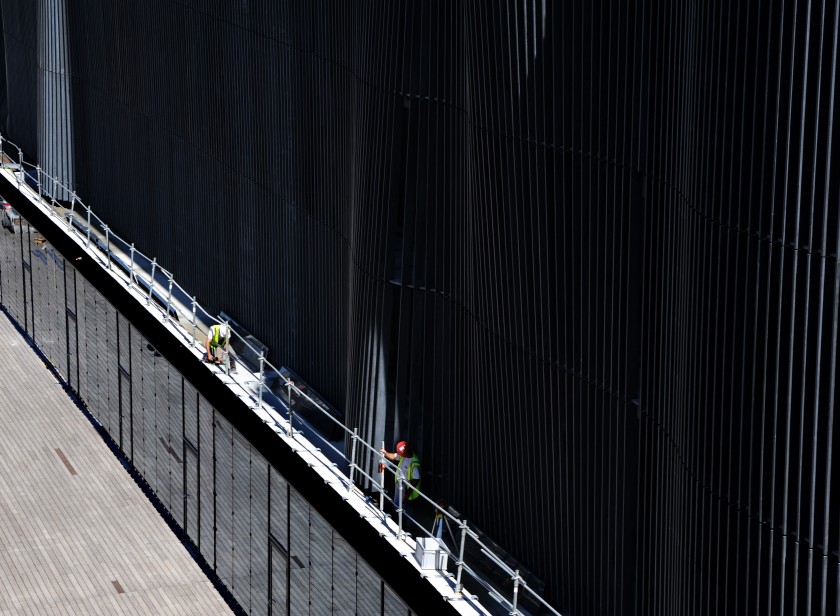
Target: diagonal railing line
<point x="91" y="226"/>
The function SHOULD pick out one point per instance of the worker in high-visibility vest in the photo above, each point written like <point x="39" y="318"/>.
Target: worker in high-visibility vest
<point x="409" y="464"/>
<point x="217" y="337"/>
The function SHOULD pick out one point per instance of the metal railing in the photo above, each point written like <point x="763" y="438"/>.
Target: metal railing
<point x="158" y="288"/>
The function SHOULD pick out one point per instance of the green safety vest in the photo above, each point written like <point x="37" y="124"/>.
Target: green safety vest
<point x="215" y="341"/>
<point x="414" y="464"/>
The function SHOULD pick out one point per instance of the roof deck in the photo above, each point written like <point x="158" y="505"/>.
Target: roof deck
<point x="77" y="534"/>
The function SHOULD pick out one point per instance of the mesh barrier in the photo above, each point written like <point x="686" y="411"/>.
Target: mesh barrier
<point x="273" y="552"/>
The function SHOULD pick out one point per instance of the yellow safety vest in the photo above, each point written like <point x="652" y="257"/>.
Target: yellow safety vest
<point x="215" y="341"/>
<point x="414" y="464"/>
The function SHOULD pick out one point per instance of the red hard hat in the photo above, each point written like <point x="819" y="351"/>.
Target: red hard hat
<point x="401" y="447"/>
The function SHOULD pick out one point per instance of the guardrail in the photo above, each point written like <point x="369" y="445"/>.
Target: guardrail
<point x="163" y="293"/>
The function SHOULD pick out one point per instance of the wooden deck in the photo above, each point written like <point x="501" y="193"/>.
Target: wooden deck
<point x="77" y="535"/>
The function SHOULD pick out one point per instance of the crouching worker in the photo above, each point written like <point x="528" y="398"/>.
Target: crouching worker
<point x="218" y="337"/>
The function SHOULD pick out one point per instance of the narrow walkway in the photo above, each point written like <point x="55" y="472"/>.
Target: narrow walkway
<point x="77" y="535"/>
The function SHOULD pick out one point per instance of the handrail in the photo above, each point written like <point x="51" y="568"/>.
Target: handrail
<point x="91" y="226"/>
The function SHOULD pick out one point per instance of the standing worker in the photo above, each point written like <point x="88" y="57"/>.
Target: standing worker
<point x="217" y="336"/>
<point x="409" y="464"/>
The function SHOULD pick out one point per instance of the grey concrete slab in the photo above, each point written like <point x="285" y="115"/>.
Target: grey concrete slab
<point x="72" y="521"/>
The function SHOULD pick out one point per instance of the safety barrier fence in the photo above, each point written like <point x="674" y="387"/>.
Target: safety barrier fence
<point x="273" y="551"/>
<point x="160" y="290"/>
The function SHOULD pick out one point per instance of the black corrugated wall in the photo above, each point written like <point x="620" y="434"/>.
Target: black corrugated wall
<point x="583" y="254"/>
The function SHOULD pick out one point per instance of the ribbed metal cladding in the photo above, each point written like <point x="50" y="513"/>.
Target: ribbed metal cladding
<point x="20" y="39"/>
<point x="55" y="126"/>
<point x="582" y="254"/>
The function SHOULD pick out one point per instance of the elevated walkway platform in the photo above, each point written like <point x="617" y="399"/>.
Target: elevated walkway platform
<point x="196" y="430"/>
<point x="77" y="534"/>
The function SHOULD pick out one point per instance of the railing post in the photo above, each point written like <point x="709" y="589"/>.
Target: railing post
<point x="152" y="281"/>
<point x="516" y="579"/>
<point x="52" y="196"/>
<point x="87" y="242"/>
<point x="193" y="324"/>
<point x="107" y="230"/>
<point x="262" y="377"/>
<point x="38" y="178"/>
<point x="460" y="563"/>
<point x="289" y="384"/>
<point x="225" y="356"/>
<point x="72" y="210"/>
<point x="20" y="166"/>
<point x="400" y="491"/>
<point x="169" y="298"/>
<point x="131" y="269"/>
<point x="355" y="438"/>
<point x="382" y="479"/>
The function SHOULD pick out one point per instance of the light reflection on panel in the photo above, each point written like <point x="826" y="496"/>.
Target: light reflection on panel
<point x="320" y="564"/>
<point x="81" y="338"/>
<point x="140" y="360"/>
<point x="190" y="413"/>
<point x="150" y="444"/>
<point x="393" y="605"/>
<point x="368" y="587"/>
<point x="206" y="485"/>
<point x="93" y="341"/>
<point x="125" y="384"/>
<point x="344" y="577"/>
<point x="59" y="356"/>
<point x="174" y="439"/>
<point x="190" y="448"/>
<point x="191" y="490"/>
<point x="161" y="431"/>
<point x="110" y="372"/>
<point x="278" y="591"/>
<point x="299" y="565"/>
<point x="224" y="500"/>
<point x="241" y="520"/>
<point x="258" y="561"/>
<point x="279" y="539"/>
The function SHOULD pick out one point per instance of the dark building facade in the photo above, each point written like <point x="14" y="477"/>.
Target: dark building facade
<point x="582" y="254"/>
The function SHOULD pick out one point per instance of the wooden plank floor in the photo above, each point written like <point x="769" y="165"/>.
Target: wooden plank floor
<point x="77" y="535"/>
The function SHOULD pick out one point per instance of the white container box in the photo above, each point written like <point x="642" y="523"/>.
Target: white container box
<point x="430" y="555"/>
